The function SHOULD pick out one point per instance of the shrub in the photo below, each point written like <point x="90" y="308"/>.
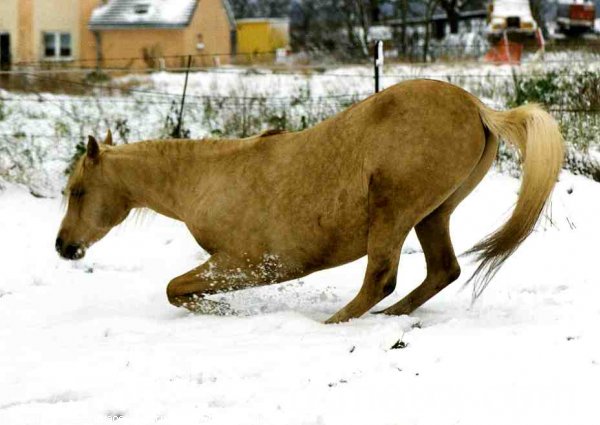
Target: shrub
<point x="123" y="129"/>
<point x="4" y="112"/>
<point x="243" y="116"/>
<point x="541" y="88"/>
<point x="79" y="151"/>
<point x="172" y="128"/>
<point x="574" y="99"/>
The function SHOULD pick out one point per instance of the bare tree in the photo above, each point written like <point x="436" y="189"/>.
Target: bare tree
<point x="430" y="6"/>
<point x="403" y="32"/>
<point x="452" y="9"/>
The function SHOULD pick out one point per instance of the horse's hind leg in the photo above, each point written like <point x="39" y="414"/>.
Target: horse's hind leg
<point x="434" y="235"/>
<point x="442" y="266"/>
<point x="387" y="230"/>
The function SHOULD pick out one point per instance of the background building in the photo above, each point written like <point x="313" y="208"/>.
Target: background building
<point x="157" y="32"/>
<point x="88" y="32"/>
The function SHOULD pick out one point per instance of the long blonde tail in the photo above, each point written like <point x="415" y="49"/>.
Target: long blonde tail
<point x="537" y="136"/>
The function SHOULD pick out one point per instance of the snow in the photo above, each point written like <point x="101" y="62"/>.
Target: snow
<point x="96" y="342"/>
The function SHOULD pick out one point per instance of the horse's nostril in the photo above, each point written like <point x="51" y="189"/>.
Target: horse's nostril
<point x="71" y="251"/>
<point x="59" y="244"/>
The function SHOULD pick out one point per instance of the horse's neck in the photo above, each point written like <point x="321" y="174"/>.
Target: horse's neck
<point x="161" y="175"/>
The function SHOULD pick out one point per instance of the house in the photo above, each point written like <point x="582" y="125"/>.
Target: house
<point x="154" y="33"/>
<point x="262" y="35"/>
<point x="40" y="30"/>
<point x="84" y="32"/>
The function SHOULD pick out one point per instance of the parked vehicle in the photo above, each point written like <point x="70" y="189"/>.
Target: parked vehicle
<point x="576" y="16"/>
<point x="513" y="16"/>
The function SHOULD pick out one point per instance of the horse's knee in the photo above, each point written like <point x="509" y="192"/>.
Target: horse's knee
<point x="174" y="294"/>
<point x="384" y="279"/>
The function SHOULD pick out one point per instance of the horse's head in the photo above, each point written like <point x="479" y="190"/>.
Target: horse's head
<point x="96" y="202"/>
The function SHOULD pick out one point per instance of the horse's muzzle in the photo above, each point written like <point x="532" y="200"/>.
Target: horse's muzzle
<point x="69" y="251"/>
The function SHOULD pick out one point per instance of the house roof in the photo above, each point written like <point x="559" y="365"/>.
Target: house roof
<point x="147" y="14"/>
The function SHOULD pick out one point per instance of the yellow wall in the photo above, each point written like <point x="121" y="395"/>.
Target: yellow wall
<point x="131" y="43"/>
<point x="87" y="41"/>
<point x="25" y="48"/>
<point x="8" y="23"/>
<point x="253" y="37"/>
<point x="211" y="21"/>
<point x="261" y="36"/>
<point x="26" y="20"/>
<point x="55" y="16"/>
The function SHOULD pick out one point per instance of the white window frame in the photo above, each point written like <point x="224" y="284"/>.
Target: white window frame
<point x="57" y="46"/>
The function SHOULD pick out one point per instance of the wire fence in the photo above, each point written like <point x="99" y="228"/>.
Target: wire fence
<point x="353" y="84"/>
<point x="291" y="68"/>
<point x="125" y="93"/>
<point x="50" y="114"/>
<point x="448" y="49"/>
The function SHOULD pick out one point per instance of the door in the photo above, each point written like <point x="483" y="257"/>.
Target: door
<point x="4" y="51"/>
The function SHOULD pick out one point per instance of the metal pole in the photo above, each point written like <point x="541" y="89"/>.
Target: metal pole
<point x="179" y="121"/>
<point x="378" y="62"/>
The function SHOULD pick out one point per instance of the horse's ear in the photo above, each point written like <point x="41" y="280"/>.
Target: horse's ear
<point x="108" y="140"/>
<point x="93" y="149"/>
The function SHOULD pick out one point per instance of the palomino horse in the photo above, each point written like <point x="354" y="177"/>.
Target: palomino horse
<point x="279" y="206"/>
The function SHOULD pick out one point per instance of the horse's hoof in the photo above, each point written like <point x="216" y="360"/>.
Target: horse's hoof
<point x="339" y="317"/>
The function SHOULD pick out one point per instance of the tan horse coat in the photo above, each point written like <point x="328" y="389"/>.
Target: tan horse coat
<point x="280" y="206"/>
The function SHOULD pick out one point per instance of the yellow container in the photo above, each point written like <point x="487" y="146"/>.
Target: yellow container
<point x="262" y="35"/>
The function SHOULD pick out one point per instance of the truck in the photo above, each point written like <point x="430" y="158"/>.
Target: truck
<point x="510" y="16"/>
<point x="575" y="16"/>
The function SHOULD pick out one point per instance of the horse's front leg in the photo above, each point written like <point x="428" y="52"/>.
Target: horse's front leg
<point x="221" y="273"/>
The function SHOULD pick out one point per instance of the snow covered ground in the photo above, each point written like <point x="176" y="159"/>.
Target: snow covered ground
<point x="95" y="341"/>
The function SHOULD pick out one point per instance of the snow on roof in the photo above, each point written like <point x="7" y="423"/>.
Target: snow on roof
<point x="507" y="8"/>
<point x="143" y="13"/>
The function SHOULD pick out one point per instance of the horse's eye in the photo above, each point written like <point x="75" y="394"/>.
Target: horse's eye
<point x="77" y="193"/>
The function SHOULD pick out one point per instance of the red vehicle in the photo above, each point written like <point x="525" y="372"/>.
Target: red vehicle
<point x="576" y="16"/>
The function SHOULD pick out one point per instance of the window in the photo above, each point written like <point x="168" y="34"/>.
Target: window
<point x="141" y="8"/>
<point x="57" y="45"/>
<point x="65" y="45"/>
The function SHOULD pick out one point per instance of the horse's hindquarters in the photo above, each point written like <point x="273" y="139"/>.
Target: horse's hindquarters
<point x="428" y="148"/>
